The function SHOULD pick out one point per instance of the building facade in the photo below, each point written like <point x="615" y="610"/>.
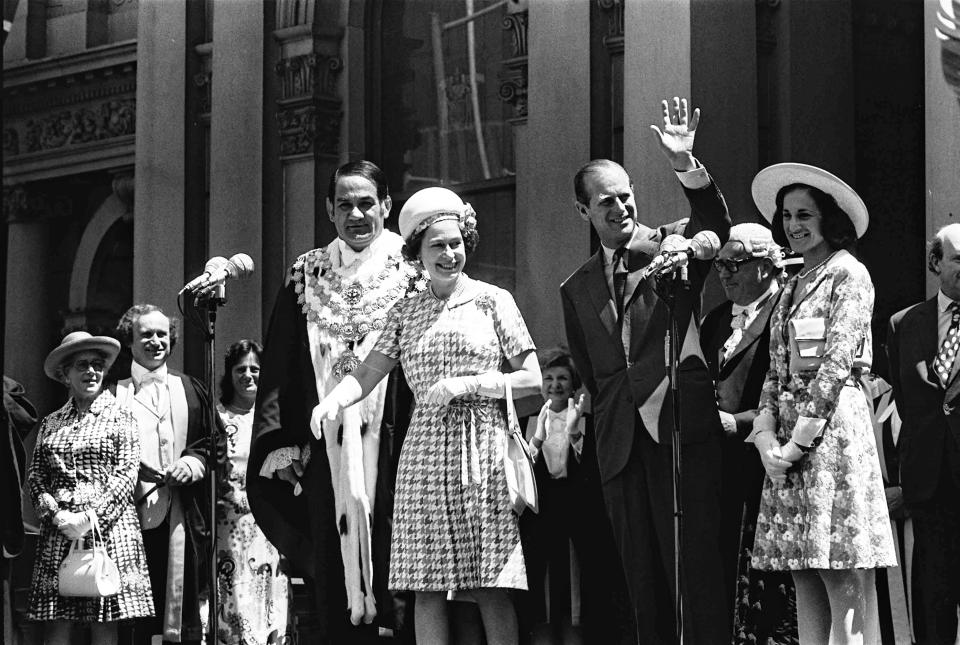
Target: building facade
<point x="141" y="137"/>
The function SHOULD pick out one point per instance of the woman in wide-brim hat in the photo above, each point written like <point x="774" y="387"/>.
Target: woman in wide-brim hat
<point x="453" y="527"/>
<point x="82" y="475"/>
<point x="823" y="513"/>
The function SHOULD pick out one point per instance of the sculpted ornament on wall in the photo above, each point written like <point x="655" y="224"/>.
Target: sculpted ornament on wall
<point x="73" y="126"/>
<point x="513" y="81"/>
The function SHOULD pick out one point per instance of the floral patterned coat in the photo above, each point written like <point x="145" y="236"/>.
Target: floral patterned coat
<point x="831" y="511"/>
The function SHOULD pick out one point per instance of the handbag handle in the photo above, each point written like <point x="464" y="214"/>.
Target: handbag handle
<point x="77" y="544"/>
<point x="513" y="423"/>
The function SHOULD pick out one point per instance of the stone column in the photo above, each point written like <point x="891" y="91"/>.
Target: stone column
<point x="552" y="240"/>
<point x="29" y="333"/>
<point x="158" y="232"/>
<point x="656" y="64"/>
<point x="236" y="160"/>
<point x="309" y="115"/>
<point x="942" y="118"/>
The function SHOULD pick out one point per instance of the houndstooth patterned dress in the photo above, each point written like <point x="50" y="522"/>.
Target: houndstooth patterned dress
<point x="453" y="527"/>
<point x="88" y="461"/>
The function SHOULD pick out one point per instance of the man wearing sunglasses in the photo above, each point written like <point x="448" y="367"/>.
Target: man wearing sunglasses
<point x="735" y="338"/>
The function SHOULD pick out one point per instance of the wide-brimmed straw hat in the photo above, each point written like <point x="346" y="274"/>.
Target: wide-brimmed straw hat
<point x="431" y="205"/>
<point x="79" y="341"/>
<point x="771" y="179"/>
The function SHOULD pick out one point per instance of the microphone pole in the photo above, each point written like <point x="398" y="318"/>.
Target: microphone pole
<point x="209" y="294"/>
<point x="667" y="290"/>
<point x="703" y="246"/>
<point x="208" y="302"/>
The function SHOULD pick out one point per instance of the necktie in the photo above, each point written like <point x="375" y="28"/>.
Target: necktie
<point x="619" y="278"/>
<point x="943" y="363"/>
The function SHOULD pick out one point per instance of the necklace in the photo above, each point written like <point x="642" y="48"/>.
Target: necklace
<point x="350" y="308"/>
<point x="238" y="409"/>
<point x="803" y="274"/>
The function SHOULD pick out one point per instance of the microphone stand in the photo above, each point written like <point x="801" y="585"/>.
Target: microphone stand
<point x="208" y="301"/>
<point x="666" y="286"/>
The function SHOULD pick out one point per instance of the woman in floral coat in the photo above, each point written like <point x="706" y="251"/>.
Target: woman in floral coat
<point x="823" y="513"/>
<point x="84" y="467"/>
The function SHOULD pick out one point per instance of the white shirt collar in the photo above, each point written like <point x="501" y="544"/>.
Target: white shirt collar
<point x="752" y="307"/>
<point x="348" y="256"/>
<point x="607" y="255"/>
<point x="138" y="371"/>
<point x="943" y="301"/>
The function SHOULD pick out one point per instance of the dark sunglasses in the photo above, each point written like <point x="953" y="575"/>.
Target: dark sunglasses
<point x="731" y="265"/>
<point x="83" y="365"/>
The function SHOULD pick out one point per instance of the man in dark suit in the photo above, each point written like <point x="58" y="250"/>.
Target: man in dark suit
<point x="735" y="338"/>
<point x="173" y="416"/>
<point x="618" y="346"/>
<point x="922" y="344"/>
<point x="17" y="419"/>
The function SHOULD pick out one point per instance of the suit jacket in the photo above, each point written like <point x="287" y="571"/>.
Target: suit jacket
<point x="18" y="418"/>
<point x="621" y="382"/>
<point x="196" y="505"/>
<point x="740" y="378"/>
<point x="928" y="428"/>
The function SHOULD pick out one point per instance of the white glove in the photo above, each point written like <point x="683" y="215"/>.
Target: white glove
<point x="346" y="393"/>
<point x="770" y="455"/>
<point x="447" y="389"/>
<point x="729" y="424"/>
<point x="73" y="525"/>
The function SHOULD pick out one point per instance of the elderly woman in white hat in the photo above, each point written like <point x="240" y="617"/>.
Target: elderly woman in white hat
<point x="823" y="513"/>
<point x="82" y="475"/>
<point x="454" y="529"/>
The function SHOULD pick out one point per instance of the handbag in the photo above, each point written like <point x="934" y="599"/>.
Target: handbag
<point x="88" y="572"/>
<point x="518" y="462"/>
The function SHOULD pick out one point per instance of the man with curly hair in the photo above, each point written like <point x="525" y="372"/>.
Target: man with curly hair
<point x="173" y="416"/>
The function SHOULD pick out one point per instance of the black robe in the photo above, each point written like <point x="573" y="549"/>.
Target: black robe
<point x="303" y="527"/>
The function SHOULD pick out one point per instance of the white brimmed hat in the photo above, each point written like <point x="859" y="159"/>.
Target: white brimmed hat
<point x="79" y="341"/>
<point x="428" y="206"/>
<point x="771" y="179"/>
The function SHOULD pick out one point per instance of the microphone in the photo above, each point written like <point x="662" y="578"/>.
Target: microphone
<point x="218" y="270"/>
<point x="703" y="246"/>
<point x="670" y="245"/>
<point x="212" y="265"/>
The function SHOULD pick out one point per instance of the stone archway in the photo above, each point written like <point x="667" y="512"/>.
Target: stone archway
<point x="92" y="302"/>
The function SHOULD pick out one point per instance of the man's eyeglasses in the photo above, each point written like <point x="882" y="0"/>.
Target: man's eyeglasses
<point x="83" y="365"/>
<point x="731" y="265"/>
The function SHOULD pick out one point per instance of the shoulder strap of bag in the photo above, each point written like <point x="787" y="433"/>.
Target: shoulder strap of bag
<point x="513" y="424"/>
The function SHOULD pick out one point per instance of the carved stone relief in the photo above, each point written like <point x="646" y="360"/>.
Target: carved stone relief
<point x="21" y="202"/>
<point x="70" y="110"/>
<point x="513" y="81"/>
<point x="613" y="9"/>
<point x="309" y="112"/>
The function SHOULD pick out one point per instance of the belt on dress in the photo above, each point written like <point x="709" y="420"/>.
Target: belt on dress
<point x="462" y="413"/>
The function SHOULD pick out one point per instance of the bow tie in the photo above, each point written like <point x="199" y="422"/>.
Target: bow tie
<point x="348" y="256"/>
<point x="152" y="377"/>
